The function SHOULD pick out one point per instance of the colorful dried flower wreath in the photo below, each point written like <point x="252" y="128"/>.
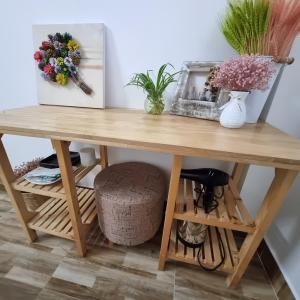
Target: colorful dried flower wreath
<point x="59" y="58"/>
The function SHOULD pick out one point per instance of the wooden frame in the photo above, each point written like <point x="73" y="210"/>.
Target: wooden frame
<point x="71" y="213"/>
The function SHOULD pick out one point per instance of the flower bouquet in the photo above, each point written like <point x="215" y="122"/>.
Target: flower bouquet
<point x="58" y="58"/>
<point x="240" y="76"/>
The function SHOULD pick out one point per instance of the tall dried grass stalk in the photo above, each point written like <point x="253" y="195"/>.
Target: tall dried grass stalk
<point x="267" y="27"/>
<point x="284" y="26"/>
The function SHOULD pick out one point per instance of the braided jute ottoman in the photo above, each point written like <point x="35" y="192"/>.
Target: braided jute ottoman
<point x="129" y="199"/>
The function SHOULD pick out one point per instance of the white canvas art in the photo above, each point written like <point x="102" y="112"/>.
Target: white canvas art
<point x="91" y="38"/>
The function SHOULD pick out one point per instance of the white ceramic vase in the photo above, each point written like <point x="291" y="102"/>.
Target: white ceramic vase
<point x="234" y="112"/>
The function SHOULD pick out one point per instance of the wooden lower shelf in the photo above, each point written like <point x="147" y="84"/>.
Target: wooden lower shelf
<point x="55" y="190"/>
<point x="53" y="216"/>
<point x="231" y="212"/>
<point x="210" y="251"/>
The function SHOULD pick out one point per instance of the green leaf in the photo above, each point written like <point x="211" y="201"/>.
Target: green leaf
<point x="154" y="88"/>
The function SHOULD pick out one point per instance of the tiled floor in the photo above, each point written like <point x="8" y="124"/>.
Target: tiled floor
<point x="50" y="269"/>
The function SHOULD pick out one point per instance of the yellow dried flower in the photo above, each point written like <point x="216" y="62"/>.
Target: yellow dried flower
<point x="73" y="45"/>
<point x="61" y="79"/>
<point x="59" y="61"/>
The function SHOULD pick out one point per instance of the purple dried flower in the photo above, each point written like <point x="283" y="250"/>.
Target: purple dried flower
<point x="246" y="73"/>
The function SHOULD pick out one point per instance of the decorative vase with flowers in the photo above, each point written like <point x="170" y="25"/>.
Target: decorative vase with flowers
<point x="154" y="88"/>
<point x="240" y="76"/>
<point x="262" y="27"/>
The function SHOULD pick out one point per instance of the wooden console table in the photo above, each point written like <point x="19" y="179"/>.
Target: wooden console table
<point x="70" y="212"/>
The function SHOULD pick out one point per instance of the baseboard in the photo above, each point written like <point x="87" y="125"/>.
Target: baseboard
<point x="271" y="267"/>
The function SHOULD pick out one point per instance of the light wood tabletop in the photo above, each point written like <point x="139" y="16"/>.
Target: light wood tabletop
<point x="259" y="144"/>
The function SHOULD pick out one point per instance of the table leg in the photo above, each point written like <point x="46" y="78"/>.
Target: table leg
<point x="7" y="177"/>
<point x="67" y="175"/>
<point x="274" y="198"/>
<point x="103" y="157"/>
<point x="173" y="190"/>
<point x="239" y="174"/>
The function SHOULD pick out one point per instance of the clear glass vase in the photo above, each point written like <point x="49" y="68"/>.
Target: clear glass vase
<point x="154" y="106"/>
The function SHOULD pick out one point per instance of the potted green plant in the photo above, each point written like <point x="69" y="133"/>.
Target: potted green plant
<point x="154" y="88"/>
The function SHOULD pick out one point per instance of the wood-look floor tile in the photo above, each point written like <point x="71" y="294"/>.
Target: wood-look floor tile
<point x="146" y="290"/>
<point x="3" y="195"/>
<point x="133" y="284"/>
<point x="13" y="234"/>
<point x="72" y="289"/>
<point x="5" y="206"/>
<point x="103" y="256"/>
<point x="6" y="262"/>
<point x="33" y="259"/>
<point x="141" y="262"/>
<point x="150" y="264"/>
<point x="194" y="280"/>
<point x="28" y="276"/>
<point x="183" y="293"/>
<point x="73" y="273"/>
<point x="14" y="290"/>
<point x="47" y="294"/>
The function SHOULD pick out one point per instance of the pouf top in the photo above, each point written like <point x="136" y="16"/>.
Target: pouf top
<point x="130" y="182"/>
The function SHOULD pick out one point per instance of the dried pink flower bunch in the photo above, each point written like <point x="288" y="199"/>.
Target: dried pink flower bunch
<point x="246" y="73"/>
<point x="24" y="168"/>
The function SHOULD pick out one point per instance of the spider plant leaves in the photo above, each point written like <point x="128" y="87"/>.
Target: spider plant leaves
<point x="245" y="24"/>
<point x="154" y="88"/>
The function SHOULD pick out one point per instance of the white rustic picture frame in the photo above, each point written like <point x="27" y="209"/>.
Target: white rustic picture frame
<point x="91" y="38"/>
<point x="185" y="105"/>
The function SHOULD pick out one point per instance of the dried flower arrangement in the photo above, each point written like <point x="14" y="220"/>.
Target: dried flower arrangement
<point x="24" y="168"/>
<point x="266" y="27"/>
<point x="245" y="73"/>
<point x="59" y="58"/>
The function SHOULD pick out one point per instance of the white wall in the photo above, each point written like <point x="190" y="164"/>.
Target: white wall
<point x="283" y="237"/>
<point x="140" y="35"/>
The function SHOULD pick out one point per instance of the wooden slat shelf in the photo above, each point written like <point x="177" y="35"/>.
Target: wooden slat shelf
<point x="211" y="250"/>
<point x="53" y="216"/>
<point x="231" y="212"/>
<point x="54" y="190"/>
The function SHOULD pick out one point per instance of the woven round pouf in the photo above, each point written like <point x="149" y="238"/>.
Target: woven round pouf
<point x="129" y="199"/>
